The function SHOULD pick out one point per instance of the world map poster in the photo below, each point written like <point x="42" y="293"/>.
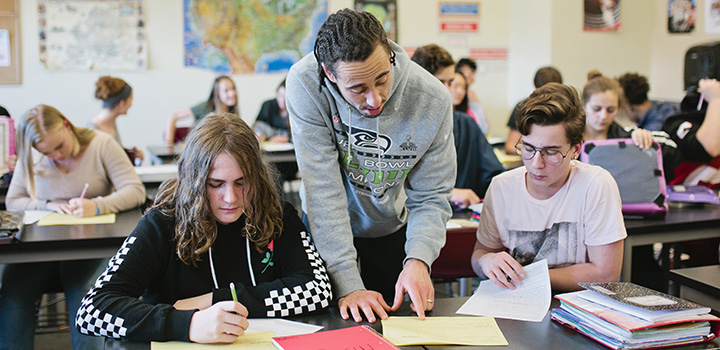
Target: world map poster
<point x="92" y="34"/>
<point x="250" y="36"/>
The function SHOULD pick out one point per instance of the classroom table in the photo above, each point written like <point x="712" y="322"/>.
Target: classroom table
<point x="70" y="242"/>
<point x="521" y="335"/>
<point x="682" y="223"/>
<point x="163" y="154"/>
<point x="703" y="282"/>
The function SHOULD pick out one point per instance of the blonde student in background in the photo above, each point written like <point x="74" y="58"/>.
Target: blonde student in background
<point x="553" y="208"/>
<point x="55" y="162"/>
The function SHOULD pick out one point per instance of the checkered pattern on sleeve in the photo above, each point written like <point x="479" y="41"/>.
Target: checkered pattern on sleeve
<point x="90" y="320"/>
<point x="314" y="295"/>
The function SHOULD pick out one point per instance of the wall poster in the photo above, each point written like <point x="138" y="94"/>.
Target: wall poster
<point x="602" y="16"/>
<point x="385" y="11"/>
<point x="248" y="36"/>
<point x="92" y="34"/>
<point x="681" y="16"/>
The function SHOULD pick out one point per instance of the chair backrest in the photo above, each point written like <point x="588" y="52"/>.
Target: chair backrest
<point x="181" y="133"/>
<point x="454" y="259"/>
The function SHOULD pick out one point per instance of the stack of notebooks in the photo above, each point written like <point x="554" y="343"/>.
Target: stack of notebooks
<point x="623" y="315"/>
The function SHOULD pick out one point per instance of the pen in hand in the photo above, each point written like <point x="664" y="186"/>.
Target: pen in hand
<point x="74" y="204"/>
<point x="512" y="254"/>
<point x="84" y="191"/>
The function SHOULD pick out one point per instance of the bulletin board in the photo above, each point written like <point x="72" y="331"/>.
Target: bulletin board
<point x="10" y="65"/>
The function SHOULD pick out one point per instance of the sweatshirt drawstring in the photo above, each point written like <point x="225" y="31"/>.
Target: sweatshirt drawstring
<point x="212" y="264"/>
<point x="350" y="157"/>
<point x="377" y="142"/>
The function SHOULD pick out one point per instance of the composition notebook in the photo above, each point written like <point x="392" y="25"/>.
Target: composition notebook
<point x="358" y="337"/>
<point x="641" y="302"/>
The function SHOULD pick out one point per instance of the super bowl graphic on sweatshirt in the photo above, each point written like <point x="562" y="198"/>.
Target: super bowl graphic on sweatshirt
<point x="372" y="165"/>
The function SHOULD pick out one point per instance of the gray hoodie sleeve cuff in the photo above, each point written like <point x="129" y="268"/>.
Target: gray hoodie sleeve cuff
<point x="345" y="282"/>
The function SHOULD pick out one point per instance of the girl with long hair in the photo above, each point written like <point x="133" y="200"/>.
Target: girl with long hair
<point x="222" y="222"/>
<point x="223" y="99"/>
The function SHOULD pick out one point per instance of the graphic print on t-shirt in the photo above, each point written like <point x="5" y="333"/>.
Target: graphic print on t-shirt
<point x="558" y="244"/>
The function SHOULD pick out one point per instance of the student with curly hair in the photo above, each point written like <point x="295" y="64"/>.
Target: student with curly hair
<point x="648" y="114"/>
<point x="222" y="222"/>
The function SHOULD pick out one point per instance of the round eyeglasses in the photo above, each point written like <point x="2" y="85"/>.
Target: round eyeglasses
<point x="550" y="156"/>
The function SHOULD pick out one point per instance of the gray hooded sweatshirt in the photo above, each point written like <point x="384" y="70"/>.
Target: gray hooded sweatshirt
<point x="401" y="170"/>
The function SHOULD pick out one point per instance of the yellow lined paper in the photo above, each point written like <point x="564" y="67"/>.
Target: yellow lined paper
<point x="55" y="219"/>
<point x="461" y="330"/>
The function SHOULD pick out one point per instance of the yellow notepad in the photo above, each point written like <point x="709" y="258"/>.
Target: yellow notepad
<point x="249" y="341"/>
<point x="59" y="219"/>
<point x="461" y="330"/>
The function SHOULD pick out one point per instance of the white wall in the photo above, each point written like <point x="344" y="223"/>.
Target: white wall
<point x="575" y="52"/>
<point x="530" y="49"/>
<point x="668" y="52"/>
<point x="165" y="87"/>
<point x="535" y="32"/>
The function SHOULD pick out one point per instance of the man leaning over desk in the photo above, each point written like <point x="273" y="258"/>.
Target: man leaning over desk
<point x="373" y="139"/>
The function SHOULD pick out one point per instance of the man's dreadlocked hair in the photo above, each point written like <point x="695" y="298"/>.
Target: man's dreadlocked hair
<point x="349" y="36"/>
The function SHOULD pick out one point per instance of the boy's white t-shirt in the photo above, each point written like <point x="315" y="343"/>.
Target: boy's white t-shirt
<point x="586" y="211"/>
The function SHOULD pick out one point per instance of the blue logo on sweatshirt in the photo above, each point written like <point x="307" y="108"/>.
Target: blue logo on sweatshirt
<point x="367" y="139"/>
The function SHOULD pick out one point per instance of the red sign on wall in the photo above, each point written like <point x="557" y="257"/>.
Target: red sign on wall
<point x="458" y="27"/>
<point x="488" y="54"/>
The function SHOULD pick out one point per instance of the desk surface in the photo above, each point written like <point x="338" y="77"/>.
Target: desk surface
<point x="682" y="223"/>
<point x="686" y="223"/>
<point x="70" y="242"/>
<point x="519" y="334"/>
<point x="163" y="154"/>
<point x="677" y="218"/>
<point x="705" y="278"/>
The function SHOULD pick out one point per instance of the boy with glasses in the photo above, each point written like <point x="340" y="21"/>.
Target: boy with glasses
<point x="554" y="207"/>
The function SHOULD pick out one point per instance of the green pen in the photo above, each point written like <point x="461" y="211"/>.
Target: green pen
<point x="232" y="291"/>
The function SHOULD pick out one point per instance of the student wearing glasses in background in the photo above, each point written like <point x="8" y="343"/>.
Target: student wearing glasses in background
<point x="570" y="210"/>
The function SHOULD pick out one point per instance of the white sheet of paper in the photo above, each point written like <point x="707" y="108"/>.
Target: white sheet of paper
<point x="32" y="216"/>
<point x="477" y="208"/>
<point x="281" y="327"/>
<point x="530" y="301"/>
<point x="452" y="225"/>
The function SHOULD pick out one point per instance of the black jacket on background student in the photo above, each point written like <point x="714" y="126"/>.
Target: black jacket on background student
<point x="476" y="160"/>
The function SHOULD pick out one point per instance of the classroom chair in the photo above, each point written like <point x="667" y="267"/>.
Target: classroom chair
<point x="181" y="133"/>
<point x="453" y="263"/>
